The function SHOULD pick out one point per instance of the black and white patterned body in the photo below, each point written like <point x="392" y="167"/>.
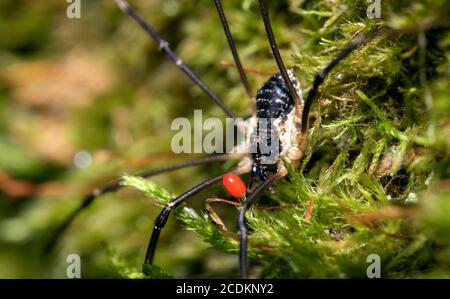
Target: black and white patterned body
<point x="274" y="135"/>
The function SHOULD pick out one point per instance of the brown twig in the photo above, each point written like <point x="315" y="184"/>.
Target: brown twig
<point x="246" y="69"/>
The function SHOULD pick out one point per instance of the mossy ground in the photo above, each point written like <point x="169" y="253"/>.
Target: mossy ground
<point x="375" y="178"/>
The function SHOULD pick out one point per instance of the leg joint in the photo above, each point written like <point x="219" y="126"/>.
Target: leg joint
<point x="160" y="222"/>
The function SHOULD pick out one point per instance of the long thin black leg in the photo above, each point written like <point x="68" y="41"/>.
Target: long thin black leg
<point x="242" y="227"/>
<point x="164" y="215"/>
<point x="114" y="186"/>
<point x="164" y="47"/>
<point x="233" y="49"/>
<point x="276" y="53"/>
<point x="320" y="77"/>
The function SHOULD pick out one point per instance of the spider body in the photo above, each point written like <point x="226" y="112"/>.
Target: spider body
<point x="273" y="127"/>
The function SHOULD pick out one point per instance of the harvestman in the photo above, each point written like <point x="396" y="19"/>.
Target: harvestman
<point x="279" y="100"/>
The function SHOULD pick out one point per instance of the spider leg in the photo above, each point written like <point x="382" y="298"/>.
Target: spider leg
<point x="164" y="47"/>
<point x="114" y="186"/>
<point x="357" y="42"/>
<point x="162" y="218"/>
<point x="233" y="49"/>
<point x="242" y="227"/>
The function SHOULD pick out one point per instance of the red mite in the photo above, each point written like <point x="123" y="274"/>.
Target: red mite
<point x="234" y="185"/>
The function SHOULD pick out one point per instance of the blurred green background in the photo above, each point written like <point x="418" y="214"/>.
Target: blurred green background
<point x="97" y="90"/>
